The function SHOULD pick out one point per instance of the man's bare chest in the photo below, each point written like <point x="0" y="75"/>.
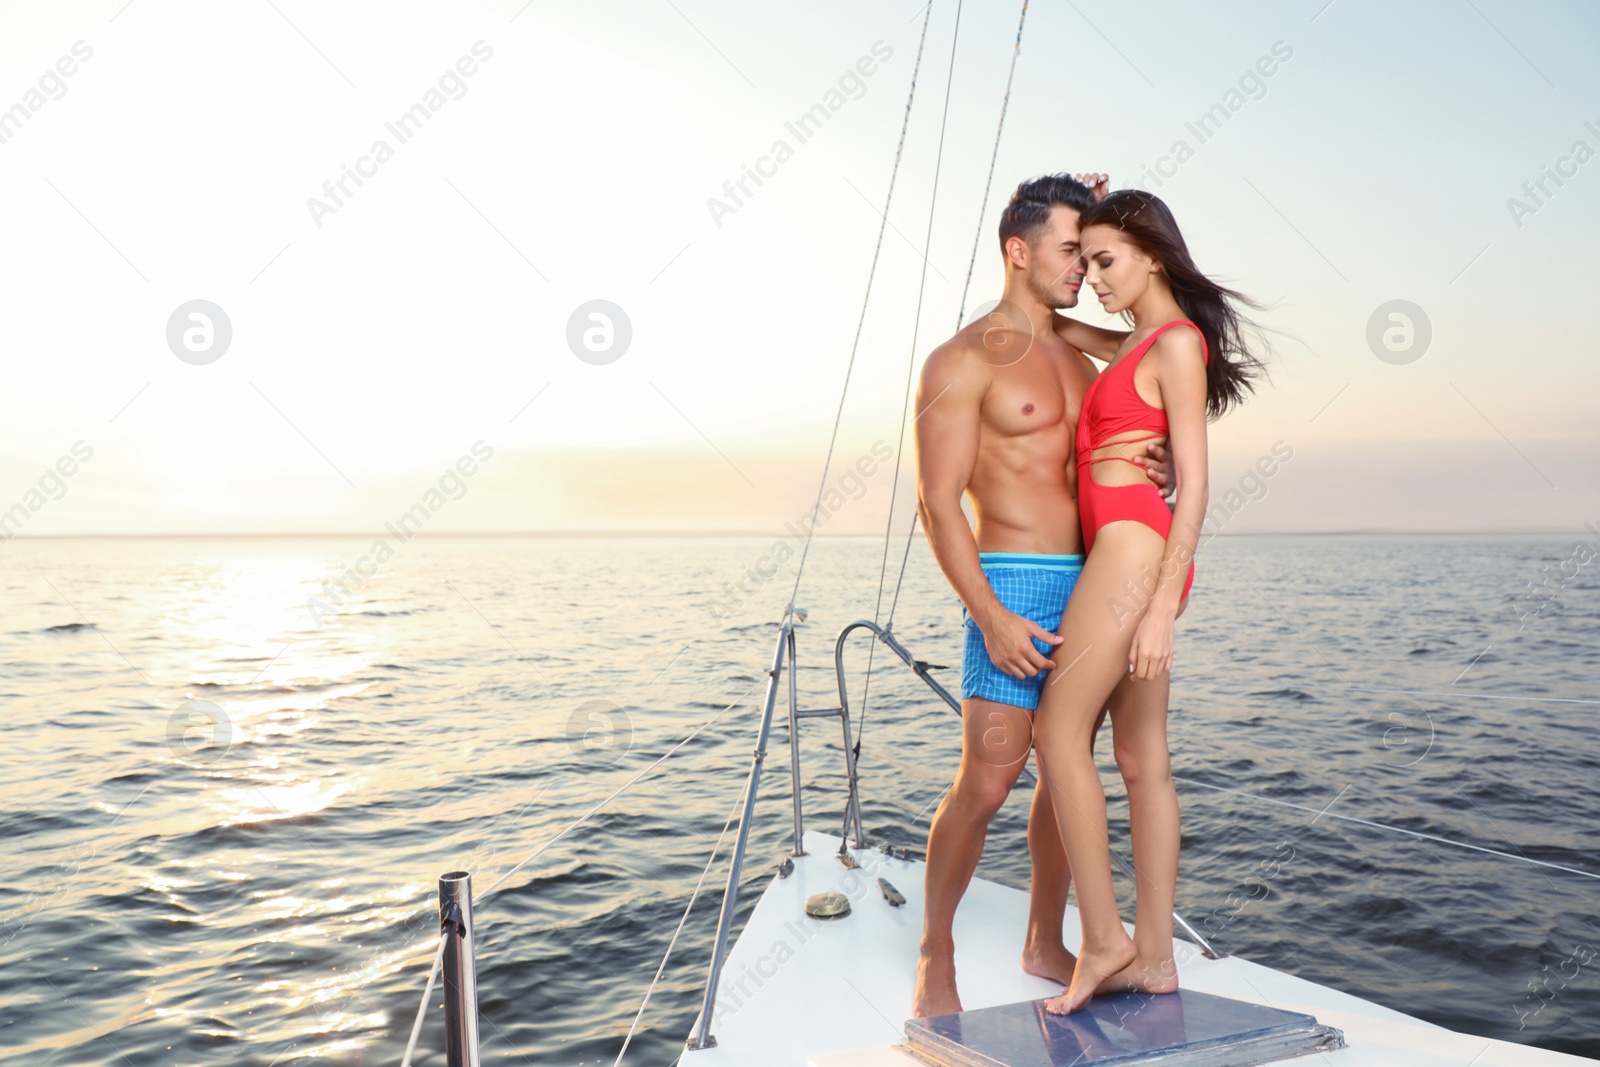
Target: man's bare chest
<point x="1045" y="396"/>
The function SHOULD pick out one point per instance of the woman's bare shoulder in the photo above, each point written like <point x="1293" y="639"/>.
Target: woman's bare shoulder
<point x="1178" y="350"/>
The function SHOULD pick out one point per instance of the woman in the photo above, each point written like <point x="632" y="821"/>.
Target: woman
<point x="1184" y="360"/>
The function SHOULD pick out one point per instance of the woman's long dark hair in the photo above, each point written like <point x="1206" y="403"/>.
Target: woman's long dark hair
<point x="1147" y="222"/>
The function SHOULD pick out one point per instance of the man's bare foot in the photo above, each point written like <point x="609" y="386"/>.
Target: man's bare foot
<point x="936" y="987"/>
<point x="1143" y="976"/>
<point x="1049" y="961"/>
<point x="1093" y="968"/>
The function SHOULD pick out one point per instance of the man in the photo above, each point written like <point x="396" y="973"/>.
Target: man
<point x="997" y="415"/>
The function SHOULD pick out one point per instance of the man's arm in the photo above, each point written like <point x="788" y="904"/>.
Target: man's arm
<point x="949" y="400"/>
<point x="1158" y="466"/>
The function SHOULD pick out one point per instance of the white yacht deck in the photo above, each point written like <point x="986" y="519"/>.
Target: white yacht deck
<point x="798" y="992"/>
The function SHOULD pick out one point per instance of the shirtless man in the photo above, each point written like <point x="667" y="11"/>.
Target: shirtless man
<point x="997" y="414"/>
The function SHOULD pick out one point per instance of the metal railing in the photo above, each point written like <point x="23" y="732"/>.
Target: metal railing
<point x="730" y="893"/>
<point x="455" y="888"/>
<point x="785" y="650"/>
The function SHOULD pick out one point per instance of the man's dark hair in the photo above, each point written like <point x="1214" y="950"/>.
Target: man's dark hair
<point x="1030" y="205"/>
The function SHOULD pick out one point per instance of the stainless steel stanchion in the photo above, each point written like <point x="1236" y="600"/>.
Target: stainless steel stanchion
<point x="460" y="970"/>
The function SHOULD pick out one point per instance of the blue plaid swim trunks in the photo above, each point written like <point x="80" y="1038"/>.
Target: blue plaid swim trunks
<point x="1032" y="585"/>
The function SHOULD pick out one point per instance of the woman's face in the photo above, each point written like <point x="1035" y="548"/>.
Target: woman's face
<point x="1118" y="270"/>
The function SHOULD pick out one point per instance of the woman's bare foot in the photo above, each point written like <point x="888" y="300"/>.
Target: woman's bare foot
<point x="1143" y="975"/>
<point x="1049" y="961"/>
<point x="936" y="987"/>
<point x="1094" y="967"/>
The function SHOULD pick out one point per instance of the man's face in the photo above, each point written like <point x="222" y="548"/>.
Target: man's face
<point x="1055" y="260"/>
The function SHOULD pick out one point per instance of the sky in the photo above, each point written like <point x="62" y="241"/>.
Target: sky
<point x="430" y="318"/>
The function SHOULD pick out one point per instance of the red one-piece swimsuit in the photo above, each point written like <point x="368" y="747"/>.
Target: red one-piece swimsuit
<point x="1113" y="406"/>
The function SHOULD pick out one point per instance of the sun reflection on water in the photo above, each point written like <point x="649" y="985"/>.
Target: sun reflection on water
<point x="268" y="803"/>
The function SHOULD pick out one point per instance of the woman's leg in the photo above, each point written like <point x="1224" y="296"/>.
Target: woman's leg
<point x="1139" y="738"/>
<point x="1092" y="659"/>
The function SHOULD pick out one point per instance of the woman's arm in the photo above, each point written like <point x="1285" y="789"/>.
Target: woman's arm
<point x="1098" y="342"/>
<point x="1180" y="370"/>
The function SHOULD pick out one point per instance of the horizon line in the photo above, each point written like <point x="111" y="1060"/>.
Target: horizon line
<point x="335" y="534"/>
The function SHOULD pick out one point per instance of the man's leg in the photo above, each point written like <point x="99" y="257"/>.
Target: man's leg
<point x="1043" y="952"/>
<point x="995" y="739"/>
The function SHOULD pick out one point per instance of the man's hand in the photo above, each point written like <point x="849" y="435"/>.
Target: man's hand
<point x="1158" y="466"/>
<point x="1007" y="637"/>
<point x="1099" y="184"/>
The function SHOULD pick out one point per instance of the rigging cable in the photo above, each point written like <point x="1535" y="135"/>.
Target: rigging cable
<point x="478" y="898"/>
<point x="872" y="272"/>
<point x="983" y="205"/>
<point x="971" y="262"/>
<point x="905" y="401"/>
<point x="816" y="508"/>
<point x="626" y="1041"/>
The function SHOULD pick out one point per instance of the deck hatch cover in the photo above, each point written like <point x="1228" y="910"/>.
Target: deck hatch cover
<point x="1186" y="1027"/>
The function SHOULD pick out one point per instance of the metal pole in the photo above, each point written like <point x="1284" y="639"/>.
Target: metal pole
<point x="460" y="970"/>
<point x="908" y="659"/>
<point x="852" y="815"/>
<point x="730" y="894"/>
<point x="853" y="798"/>
<point x="922" y="672"/>
<point x="794" y="746"/>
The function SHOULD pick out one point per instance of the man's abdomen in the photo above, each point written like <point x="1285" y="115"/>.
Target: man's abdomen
<point x="1043" y="520"/>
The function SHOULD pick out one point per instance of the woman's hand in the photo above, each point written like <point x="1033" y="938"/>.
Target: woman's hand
<point x="1099" y="184"/>
<point x="1151" y="654"/>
